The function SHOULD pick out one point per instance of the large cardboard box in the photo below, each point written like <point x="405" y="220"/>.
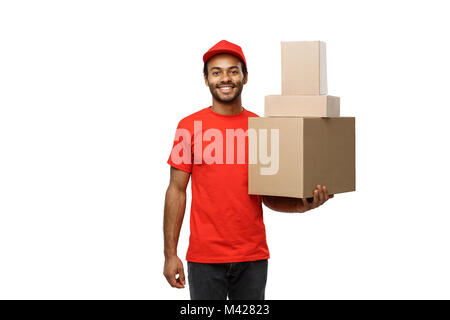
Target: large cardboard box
<point x="303" y="68"/>
<point x="301" y="106"/>
<point x="290" y="156"/>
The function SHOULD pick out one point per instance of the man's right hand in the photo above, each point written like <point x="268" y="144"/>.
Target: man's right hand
<point x="172" y="267"/>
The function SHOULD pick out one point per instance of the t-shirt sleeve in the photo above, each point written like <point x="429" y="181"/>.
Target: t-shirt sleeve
<point x="181" y="156"/>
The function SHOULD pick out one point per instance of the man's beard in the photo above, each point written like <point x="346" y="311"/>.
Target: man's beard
<point x="227" y="98"/>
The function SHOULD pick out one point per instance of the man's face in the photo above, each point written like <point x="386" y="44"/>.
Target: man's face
<point x="225" y="77"/>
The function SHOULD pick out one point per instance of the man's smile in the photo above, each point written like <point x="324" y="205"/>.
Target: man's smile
<point x="226" y="88"/>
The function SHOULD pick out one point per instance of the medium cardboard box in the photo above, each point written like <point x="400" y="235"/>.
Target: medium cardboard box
<point x="303" y="68"/>
<point x="290" y="156"/>
<point x="301" y="106"/>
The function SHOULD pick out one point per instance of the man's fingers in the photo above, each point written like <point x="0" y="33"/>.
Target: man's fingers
<point x="173" y="281"/>
<point x="182" y="278"/>
<point x="177" y="283"/>
<point x="315" y="202"/>
<point x="180" y="281"/>
<point x="325" y="190"/>
<point x="170" y="279"/>
<point x="321" y="195"/>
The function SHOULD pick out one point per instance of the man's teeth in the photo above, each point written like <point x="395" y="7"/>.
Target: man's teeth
<point x="225" y="88"/>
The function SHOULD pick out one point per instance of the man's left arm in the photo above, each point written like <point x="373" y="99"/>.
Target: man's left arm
<point x="286" y="204"/>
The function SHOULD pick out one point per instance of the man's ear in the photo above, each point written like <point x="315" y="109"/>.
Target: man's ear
<point x="245" y="78"/>
<point x="206" y="80"/>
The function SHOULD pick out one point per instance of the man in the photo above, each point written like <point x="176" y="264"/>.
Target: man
<point x="227" y="254"/>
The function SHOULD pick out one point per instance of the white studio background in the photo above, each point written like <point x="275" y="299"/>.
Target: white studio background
<point x="90" y="96"/>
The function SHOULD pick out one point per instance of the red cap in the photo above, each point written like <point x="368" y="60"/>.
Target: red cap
<point x="225" y="46"/>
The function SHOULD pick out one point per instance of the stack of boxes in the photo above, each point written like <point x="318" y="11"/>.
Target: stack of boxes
<point x="314" y="145"/>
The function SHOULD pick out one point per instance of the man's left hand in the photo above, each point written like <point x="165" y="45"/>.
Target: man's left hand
<point x="320" y="196"/>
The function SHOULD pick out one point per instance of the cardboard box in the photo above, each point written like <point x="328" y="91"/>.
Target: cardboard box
<point x="303" y="68"/>
<point x="301" y="106"/>
<point x="310" y="151"/>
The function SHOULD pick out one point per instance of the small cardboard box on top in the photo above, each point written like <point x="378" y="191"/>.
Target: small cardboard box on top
<point x="293" y="155"/>
<point x="303" y="68"/>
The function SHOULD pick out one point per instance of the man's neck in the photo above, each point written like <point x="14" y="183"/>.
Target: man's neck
<point x="227" y="109"/>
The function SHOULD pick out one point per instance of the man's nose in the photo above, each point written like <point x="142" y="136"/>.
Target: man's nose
<point x="225" y="77"/>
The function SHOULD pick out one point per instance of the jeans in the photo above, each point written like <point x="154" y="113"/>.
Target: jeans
<point x="237" y="280"/>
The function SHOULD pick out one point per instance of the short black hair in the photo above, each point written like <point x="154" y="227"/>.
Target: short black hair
<point x="205" y="68"/>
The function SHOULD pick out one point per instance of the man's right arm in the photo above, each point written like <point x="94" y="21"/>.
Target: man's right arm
<point x="174" y="208"/>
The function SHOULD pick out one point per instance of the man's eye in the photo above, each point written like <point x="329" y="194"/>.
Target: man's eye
<point x="215" y="72"/>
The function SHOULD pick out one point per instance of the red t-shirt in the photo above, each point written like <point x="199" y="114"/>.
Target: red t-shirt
<point x="226" y="222"/>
